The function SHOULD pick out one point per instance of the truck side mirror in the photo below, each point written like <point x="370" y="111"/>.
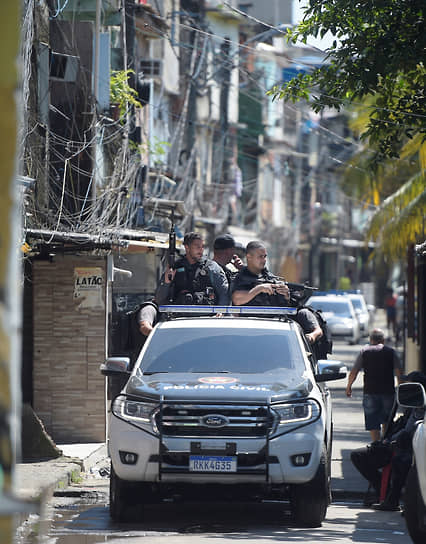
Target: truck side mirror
<point x="115" y="366"/>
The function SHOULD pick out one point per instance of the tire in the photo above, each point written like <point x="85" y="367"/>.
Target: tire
<point x="414" y="508"/>
<point x="123" y="501"/>
<point x="309" y="501"/>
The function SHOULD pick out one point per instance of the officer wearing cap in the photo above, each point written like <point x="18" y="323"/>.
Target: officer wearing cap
<point x="224" y="254"/>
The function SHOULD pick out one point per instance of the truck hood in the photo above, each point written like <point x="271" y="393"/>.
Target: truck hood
<point x="192" y="387"/>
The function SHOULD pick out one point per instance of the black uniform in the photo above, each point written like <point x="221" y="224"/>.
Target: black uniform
<point x="203" y="282"/>
<point x="246" y="280"/>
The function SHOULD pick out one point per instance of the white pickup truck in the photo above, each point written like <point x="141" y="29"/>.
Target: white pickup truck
<point x="223" y="406"/>
<point x="412" y="395"/>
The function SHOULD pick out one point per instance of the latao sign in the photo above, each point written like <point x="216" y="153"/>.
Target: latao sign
<point x="88" y="287"/>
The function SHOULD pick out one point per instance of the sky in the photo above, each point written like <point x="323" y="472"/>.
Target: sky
<point x="298" y="15"/>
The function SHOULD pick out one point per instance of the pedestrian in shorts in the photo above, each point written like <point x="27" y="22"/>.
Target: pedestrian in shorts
<point x="381" y="365"/>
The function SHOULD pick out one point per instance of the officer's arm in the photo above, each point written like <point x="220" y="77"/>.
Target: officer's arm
<point x="314" y="335"/>
<point x="239" y="298"/>
<point x="146" y="319"/>
<point x="309" y="324"/>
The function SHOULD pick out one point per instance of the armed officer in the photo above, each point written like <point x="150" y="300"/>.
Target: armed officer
<point x="193" y="279"/>
<point x="254" y="285"/>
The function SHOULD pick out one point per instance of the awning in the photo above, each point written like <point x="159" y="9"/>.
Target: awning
<point x="125" y="241"/>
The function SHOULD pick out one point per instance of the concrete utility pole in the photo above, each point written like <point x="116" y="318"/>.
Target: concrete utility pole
<point x="9" y="276"/>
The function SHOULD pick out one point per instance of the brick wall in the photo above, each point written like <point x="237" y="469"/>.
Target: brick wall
<point x="69" y="345"/>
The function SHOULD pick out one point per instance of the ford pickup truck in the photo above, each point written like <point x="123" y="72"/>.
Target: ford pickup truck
<point x="231" y="405"/>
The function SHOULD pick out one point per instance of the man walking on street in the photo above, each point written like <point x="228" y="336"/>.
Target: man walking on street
<point x="380" y="364"/>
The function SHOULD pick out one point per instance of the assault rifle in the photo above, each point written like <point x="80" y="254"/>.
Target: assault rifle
<point x="299" y="292"/>
<point x="172" y="244"/>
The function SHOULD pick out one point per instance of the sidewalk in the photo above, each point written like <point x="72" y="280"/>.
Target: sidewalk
<point x="37" y="481"/>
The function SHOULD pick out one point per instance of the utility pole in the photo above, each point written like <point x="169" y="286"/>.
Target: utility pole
<point x="97" y="45"/>
<point x="224" y="106"/>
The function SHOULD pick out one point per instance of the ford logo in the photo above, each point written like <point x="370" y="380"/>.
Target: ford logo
<point x="214" y="421"/>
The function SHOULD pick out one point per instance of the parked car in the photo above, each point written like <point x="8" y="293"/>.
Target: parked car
<point x="340" y="315"/>
<point x="362" y="312"/>
<point x="412" y="395"/>
<point x="223" y="408"/>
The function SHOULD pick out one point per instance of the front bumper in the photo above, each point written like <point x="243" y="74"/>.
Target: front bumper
<point x="260" y="460"/>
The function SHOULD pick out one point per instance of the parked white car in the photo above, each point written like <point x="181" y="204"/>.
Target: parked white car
<point x="227" y="407"/>
<point x="362" y="312"/>
<point x="412" y="395"/>
<point x="340" y="315"/>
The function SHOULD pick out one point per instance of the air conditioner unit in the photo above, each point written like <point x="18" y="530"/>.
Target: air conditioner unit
<point x="151" y="67"/>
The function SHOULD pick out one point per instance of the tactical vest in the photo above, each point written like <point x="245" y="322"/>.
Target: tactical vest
<point x="192" y="280"/>
<point x="246" y="280"/>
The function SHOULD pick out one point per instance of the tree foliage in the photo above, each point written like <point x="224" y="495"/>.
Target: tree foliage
<point x="121" y="93"/>
<point x="379" y="50"/>
<point x="400" y="219"/>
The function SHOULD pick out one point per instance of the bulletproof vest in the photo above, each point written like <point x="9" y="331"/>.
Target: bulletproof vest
<point x="247" y="280"/>
<point x="193" y="280"/>
<point x="378" y="371"/>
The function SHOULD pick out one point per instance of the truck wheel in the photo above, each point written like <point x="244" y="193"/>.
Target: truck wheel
<point x="123" y="504"/>
<point x="309" y="501"/>
<point x="414" y="509"/>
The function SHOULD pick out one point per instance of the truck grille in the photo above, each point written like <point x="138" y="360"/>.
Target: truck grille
<point x="214" y="420"/>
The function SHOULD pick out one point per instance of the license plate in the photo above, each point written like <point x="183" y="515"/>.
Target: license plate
<point x="204" y="463"/>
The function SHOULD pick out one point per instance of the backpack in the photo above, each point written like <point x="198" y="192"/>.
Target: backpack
<point x="323" y="345"/>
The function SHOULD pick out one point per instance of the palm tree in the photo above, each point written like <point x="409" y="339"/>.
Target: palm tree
<point x="396" y="188"/>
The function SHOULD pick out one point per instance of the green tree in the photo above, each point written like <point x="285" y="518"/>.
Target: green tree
<point x="379" y="50"/>
<point x="376" y="65"/>
<point x="397" y="189"/>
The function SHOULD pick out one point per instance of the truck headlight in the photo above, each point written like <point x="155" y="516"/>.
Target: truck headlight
<point x="141" y="414"/>
<point x="297" y="412"/>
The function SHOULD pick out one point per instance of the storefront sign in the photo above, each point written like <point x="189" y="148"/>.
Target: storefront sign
<point x="88" y="288"/>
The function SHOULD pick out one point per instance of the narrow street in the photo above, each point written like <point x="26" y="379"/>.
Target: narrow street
<point x="79" y="515"/>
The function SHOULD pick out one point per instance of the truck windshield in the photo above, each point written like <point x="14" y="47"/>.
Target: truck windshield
<point x="251" y="351"/>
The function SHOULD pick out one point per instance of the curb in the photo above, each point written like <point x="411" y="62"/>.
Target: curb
<point x="36" y="483"/>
